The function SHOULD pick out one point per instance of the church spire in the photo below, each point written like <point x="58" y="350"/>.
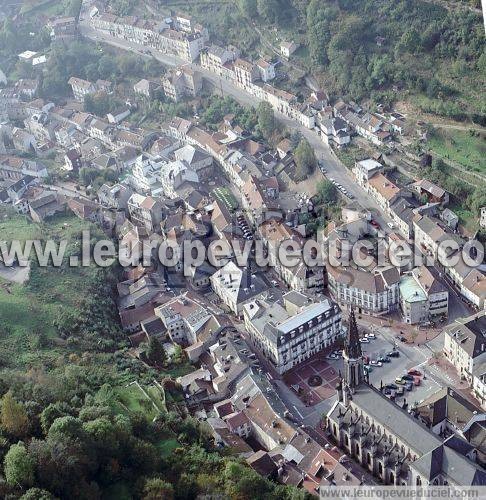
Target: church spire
<point x="352" y="345"/>
<point x="352" y="356"/>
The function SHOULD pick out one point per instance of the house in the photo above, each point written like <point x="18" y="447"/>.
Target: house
<point x="85" y="209"/>
<point x="46" y="205"/>
<point x="174" y="175"/>
<point x="145" y="212"/>
<point x="335" y="132"/>
<point x="23" y="140"/>
<point x="383" y="191"/>
<point x="115" y="197"/>
<point x="214" y="58"/>
<point x="197" y="159"/>
<point x="266" y="69"/>
<point x="146" y="88"/>
<point x="431" y="192"/>
<point x="287" y="337"/>
<point x="73" y="161"/>
<point x="465" y="344"/>
<point x="258" y="202"/>
<point x="423" y="297"/>
<point x="181" y="82"/>
<point x="81" y="88"/>
<point x="118" y="115"/>
<point x="364" y="170"/>
<point x="26" y="87"/>
<point x="288" y="48"/>
<point x="236" y="286"/>
<point x="462" y="423"/>
<point x="450" y="218"/>
<point x="63" y="28"/>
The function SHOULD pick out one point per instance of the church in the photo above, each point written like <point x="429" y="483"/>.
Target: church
<point x="384" y="438"/>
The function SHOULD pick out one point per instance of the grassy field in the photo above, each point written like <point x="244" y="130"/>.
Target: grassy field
<point x="460" y="146"/>
<point x="28" y="311"/>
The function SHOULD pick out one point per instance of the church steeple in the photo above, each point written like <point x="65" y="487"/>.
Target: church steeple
<point x="352" y="355"/>
<point x="352" y="345"/>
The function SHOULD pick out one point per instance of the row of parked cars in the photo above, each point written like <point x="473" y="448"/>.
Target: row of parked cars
<point x="244" y="227"/>
<point x="341" y="188"/>
<point x="404" y="383"/>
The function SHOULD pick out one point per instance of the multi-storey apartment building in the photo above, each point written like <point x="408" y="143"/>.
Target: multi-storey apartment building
<point x="145" y="212"/>
<point x="422" y="296"/>
<point x="287" y="337"/>
<point x="375" y="292"/>
<point x="465" y="344"/>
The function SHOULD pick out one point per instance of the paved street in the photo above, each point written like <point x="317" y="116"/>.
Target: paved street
<point x="334" y="167"/>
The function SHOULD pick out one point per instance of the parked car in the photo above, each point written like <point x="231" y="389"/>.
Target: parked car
<point x="400" y="391"/>
<point x="417" y="381"/>
<point x="393" y="354"/>
<point x="371" y="336"/>
<point x="415" y="373"/>
<point x="409" y="386"/>
<point x="399" y="381"/>
<point x="364" y="340"/>
<point x="384" y="359"/>
<point x="376" y="363"/>
<point x="391" y="225"/>
<point x="367" y="368"/>
<point x="375" y="224"/>
<point x="408" y="377"/>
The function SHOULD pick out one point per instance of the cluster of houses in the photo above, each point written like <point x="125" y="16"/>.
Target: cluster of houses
<point x="181" y="37"/>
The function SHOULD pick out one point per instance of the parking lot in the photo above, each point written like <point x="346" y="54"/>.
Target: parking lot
<point x="409" y="358"/>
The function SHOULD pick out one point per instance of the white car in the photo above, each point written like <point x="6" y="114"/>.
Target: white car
<point x="390" y="225"/>
<point x="376" y="363"/>
<point x="364" y="340"/>
<point x="371" y="336"/>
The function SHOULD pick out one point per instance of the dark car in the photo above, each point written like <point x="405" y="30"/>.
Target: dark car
<point x="408" y="377"/>
<point x="392" y="386"/>
<point x="393" y="354"/>
<point x="409" y="386"/>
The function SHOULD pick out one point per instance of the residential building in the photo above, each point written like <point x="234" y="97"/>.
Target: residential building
<point x="115" y="197"/>
<point x="266" y="69"/>
<point x="364" y="170"/>
<point x="145" y="212"/>
<point x="181" y="82"/>
<point x="258" y="202"/>
<point x="287" y="337"/>
<point x="288" y="48"/>
<point x="422" y="296"/>
<point x="245" y="72"/>
<point x="376" y="292"/>
<point x="236" y="286"/>
<point x="465" y="344"/>
<point x="335" y="132"/>
<point x="214" y="58"/>
<point x="63" y="28"/>
<point x="174" y="175"/>
<point x="146" y="88"/>
<point x="431" y="192"/>
<point x="196" y="159"/>
<point x="146" y="171"/>
<point x="383" y="191"/>
<point x="81" y="88"/>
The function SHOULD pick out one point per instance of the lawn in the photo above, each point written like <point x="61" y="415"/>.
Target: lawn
<point x="148" y="400"/>
<point x="27" y="312"/>
<point x="460" y="146"/>
<point x="167" y="446"/>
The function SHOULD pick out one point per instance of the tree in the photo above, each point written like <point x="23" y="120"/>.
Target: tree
<point x="158" y="489"/>
<point x="156" y="354"/>
<point x="305" y="159"/>
<point x="52" y="412"/>
<point x="268" y="9"/>
<point x="19" y="466"/>
<point x="326" y="192"/>
<point x="13" y="417"/>
<point x="248" y="7"/>
<point x="266" y="119"/>
<point x="37" y="494"/>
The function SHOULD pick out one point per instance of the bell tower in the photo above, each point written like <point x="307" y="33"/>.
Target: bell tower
<point x="352" y="355"/>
